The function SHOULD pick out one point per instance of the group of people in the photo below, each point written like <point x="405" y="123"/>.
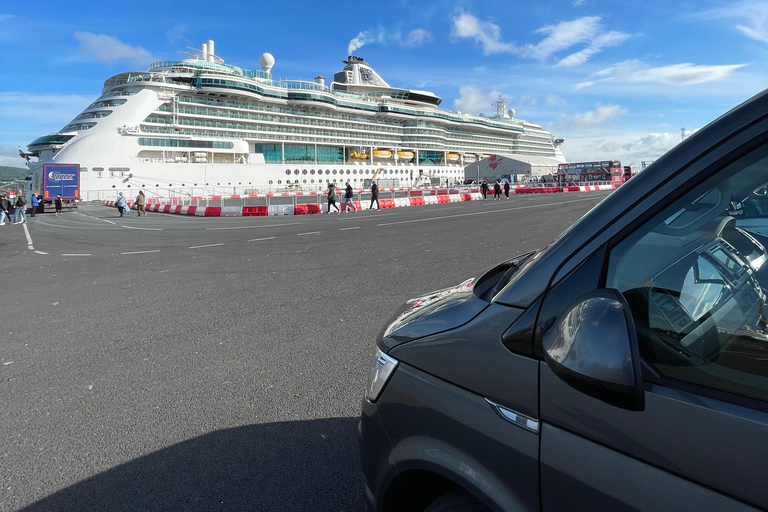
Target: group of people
<point x="348" y="195"/>
<point x="496" y="190"/>
<point x="122" y="204"/>
<point x="19" y="207"/>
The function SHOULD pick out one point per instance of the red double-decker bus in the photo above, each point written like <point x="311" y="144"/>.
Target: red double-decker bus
<point x="606" y="170"/>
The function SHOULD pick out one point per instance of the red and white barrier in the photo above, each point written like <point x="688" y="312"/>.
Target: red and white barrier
<point x="417" y="197"/>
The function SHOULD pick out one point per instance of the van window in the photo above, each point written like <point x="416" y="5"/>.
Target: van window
<point x="695" y="277"/>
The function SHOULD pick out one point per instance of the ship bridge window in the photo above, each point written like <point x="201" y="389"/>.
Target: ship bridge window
<point x="107" y="103"/>
<point x="78" y="127"/>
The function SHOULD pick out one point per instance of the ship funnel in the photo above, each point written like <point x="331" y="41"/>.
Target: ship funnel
<point x="320" y="80"/>
<point x="211" y="53"/>
<point x="204" y="51"/>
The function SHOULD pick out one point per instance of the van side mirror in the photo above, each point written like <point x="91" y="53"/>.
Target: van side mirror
<point x="593" y="348"/>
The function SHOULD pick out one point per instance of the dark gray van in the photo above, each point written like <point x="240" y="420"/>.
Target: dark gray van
<point x="622" y="367"/>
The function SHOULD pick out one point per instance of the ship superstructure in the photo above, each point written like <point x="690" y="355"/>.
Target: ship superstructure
<point x="199" y="126"/>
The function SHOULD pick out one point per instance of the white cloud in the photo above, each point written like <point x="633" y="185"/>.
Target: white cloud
<point x="600" y="116"/>
<point x="51" y="107"/>
<point x="177" y="33"/>
<point x="107" y="49"/>
<point x="562" y="36"/>
<point x="485" y="33"/>
<point x="634" y="71"/>
<point x="416" y="37"/>
<point x="752" y="14"/>
<point x="629" y="148"/>
<point x="473" y="101"/>
<point x="577" y="3"/>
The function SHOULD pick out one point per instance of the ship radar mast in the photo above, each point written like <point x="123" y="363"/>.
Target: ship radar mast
<point x="501" y="109"/>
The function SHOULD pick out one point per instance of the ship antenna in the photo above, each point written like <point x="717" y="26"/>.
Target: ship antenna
<point x="501" y="106"/>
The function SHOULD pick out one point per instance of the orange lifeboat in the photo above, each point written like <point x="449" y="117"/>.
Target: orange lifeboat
<point x="382" y="154"/>
<point x="405" y="155"/>
<point x="452" y="157"/>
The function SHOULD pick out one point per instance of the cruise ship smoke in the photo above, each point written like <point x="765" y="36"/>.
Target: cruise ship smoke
<point x="365" y="37"/>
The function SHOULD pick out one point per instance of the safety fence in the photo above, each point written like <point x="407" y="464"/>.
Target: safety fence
<point x="300" y="203"/>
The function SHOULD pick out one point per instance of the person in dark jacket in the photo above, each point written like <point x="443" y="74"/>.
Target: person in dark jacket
<point x="374" y="196"/>
<point x="5" y="205"/>
<point x="57" y="204"/>
<point x="332" y="198"/>
<point x="20" y="207"/>
<point x="506" y="189"/>
<point x="484" y="190"/>
<point x="497" y="191"/>
<point x="348" y="195"/>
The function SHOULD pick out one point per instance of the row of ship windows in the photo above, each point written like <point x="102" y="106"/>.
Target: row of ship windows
<point x="312" y="119"/>
<point x="373" y="137"/>
<point x="348" y="140"/>
<point x="373" y="125"/>
<point x="231" y="84"/>
<point x="251" y="106"/>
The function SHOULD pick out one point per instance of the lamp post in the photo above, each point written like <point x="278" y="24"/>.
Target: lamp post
<point x="682" y="133"/>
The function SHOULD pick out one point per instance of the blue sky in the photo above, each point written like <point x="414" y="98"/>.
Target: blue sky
<point x="615" y="78"/>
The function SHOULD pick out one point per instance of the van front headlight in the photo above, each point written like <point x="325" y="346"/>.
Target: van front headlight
<point x="382" y="368"/>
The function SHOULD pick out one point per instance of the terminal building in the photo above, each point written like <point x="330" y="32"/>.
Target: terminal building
<point x="513" y="168"/>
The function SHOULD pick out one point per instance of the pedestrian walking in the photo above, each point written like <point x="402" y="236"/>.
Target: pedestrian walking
<point x="33" y="202"/>
<point x="57" y="204"/>
<point x="20" y="207"/>
<point x="484" y="190"/>
<point x="140" y="202"/>
<point x="506" y="189"/>
<point x="497" y="191"/>
<point x="348" y="195"/>
<point x="332" y="198"/>
<point x="374" y="196"/>
<point x="122" y="204"/>
<point x="5" y="205"/>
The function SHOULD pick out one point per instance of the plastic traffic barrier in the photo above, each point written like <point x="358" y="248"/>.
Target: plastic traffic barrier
<point x="252" y="211"/>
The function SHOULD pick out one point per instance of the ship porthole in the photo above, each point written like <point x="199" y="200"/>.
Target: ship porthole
<point x="113" y="186"/>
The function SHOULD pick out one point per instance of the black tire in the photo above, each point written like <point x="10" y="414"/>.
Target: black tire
<point x="457" y="500"/>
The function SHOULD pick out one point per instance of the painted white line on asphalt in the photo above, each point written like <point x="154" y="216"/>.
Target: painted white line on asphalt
<point x="29" y="238"/>
<point x="143" y="229"/>
<point x="251" y="227"/>
<point x="260" y="239"/>
<point x="77" y="254"/>
<point x="40" y="252"/>
<point x="113" y="223"/>
<point x="345" y="229"/>
<point x="486" y="212"/>
<point x="201" y="246"/>
<point x="140" y="252"/>
<point x="310" y="233"/>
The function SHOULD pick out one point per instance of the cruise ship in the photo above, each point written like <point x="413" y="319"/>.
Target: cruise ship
<point x="199" y="126"/>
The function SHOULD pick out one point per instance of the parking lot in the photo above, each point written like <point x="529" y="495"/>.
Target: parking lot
<point x="181" y="363"/>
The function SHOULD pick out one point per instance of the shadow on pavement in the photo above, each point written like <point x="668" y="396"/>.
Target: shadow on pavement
<point x="300" y="466"/>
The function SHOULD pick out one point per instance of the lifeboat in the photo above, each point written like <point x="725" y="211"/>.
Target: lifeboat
<point x="382" y="154"/>
<point x="358" y="156"/>
<point x="405" y="155"/>
<point x="469" y="158"/>
<point x="484" y="156"/>
<point x="452" y="157"/>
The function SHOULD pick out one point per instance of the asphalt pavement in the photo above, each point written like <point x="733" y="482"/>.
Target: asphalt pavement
<point x="200" y="364"/>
